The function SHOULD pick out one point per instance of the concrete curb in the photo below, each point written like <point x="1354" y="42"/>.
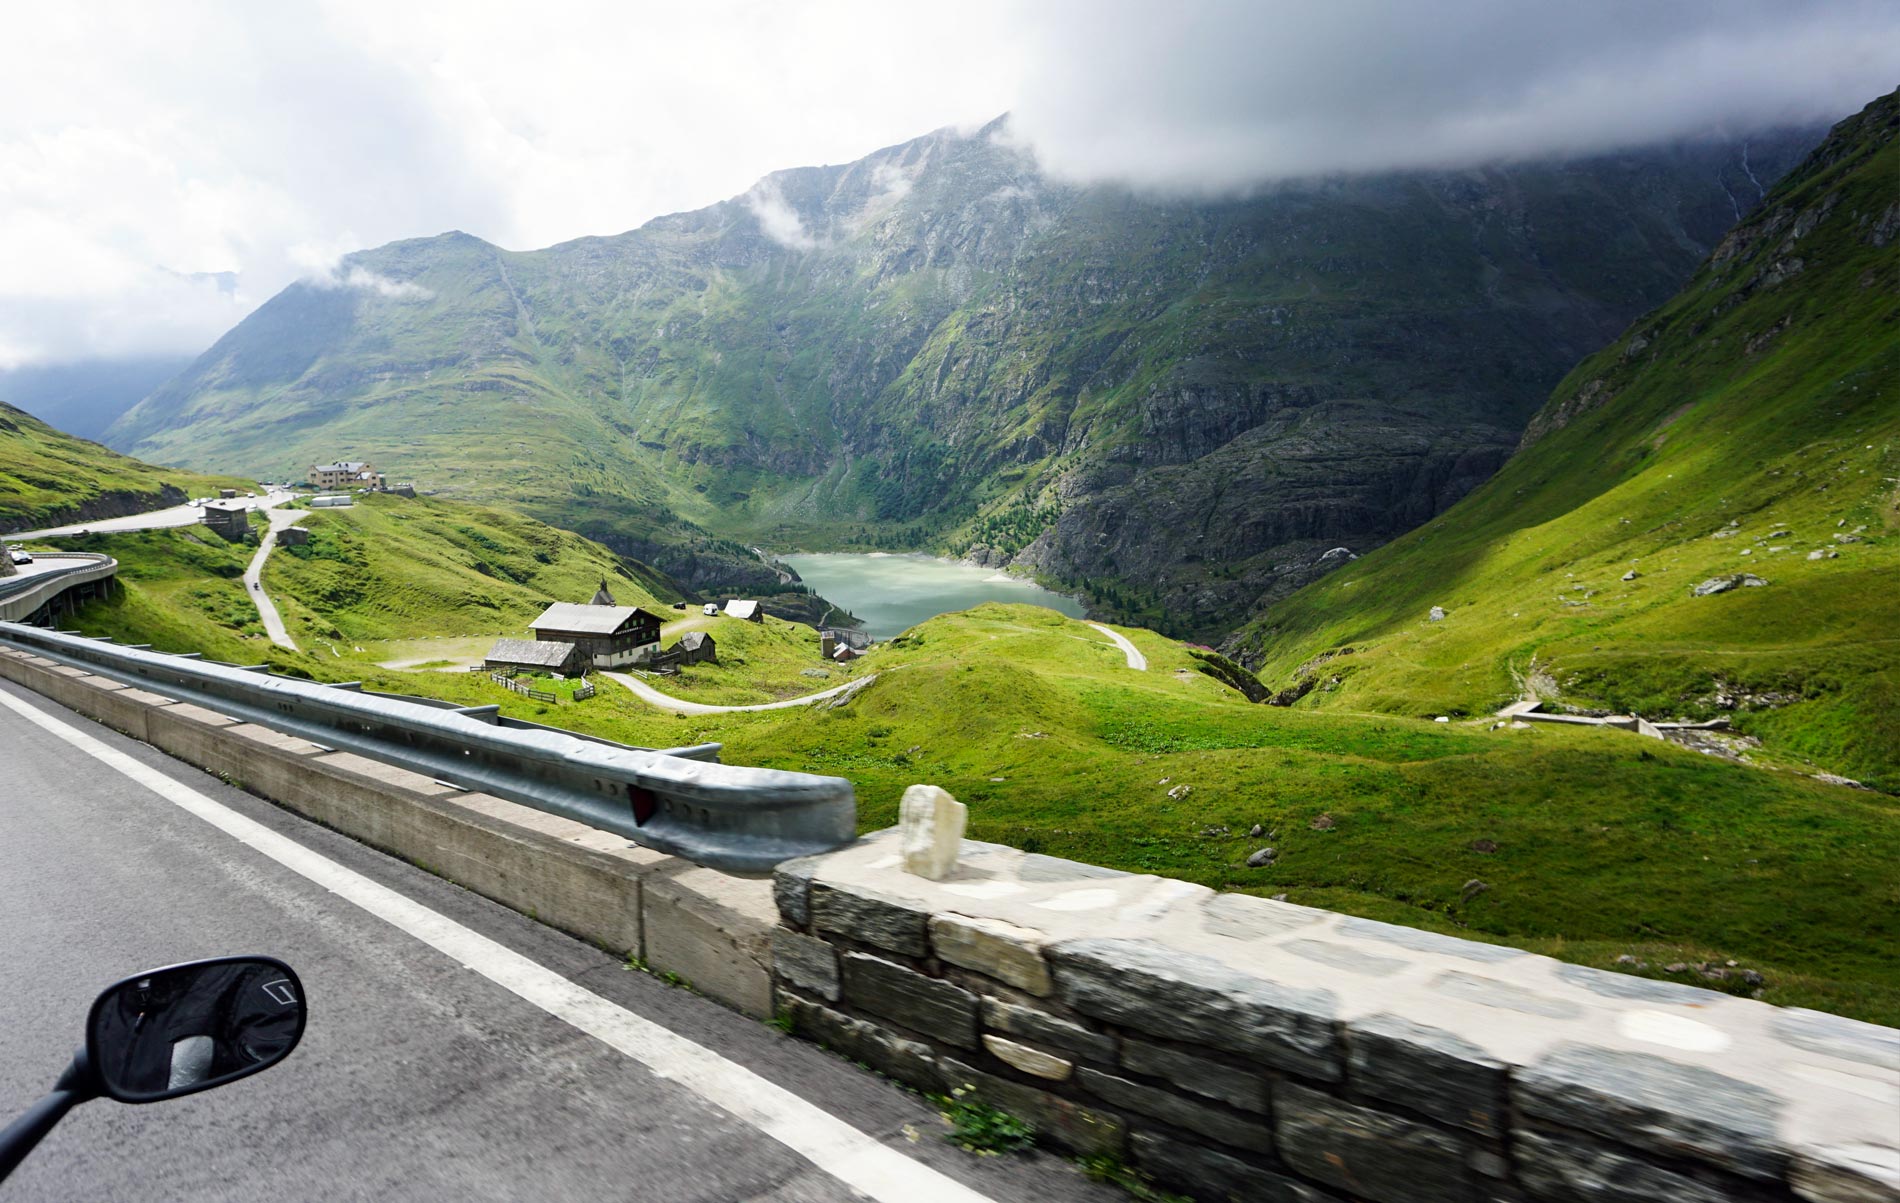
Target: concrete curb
<point x="712" y="929"/>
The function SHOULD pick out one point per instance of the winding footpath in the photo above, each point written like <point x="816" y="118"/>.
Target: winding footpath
<point x="654" y="697"/>
<point x="1136" y="660"/>
<point x="254" y="578"/>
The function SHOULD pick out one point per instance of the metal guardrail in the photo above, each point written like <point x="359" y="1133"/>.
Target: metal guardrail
<point x="680" y="801"/>
<point x="20" y="596"/>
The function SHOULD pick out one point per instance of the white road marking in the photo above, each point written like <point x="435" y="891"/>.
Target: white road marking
<point x="823" y="1139"/>
<point x="1135" y="659"/>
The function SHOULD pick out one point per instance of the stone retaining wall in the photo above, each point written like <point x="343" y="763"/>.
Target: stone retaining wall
<point x="1244" y="1049"/>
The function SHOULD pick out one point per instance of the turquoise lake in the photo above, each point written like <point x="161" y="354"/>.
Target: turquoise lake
<point x="891" y="592"/>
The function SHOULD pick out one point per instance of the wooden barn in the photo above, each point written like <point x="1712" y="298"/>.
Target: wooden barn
<point x="695" y="647"/>
<point x="536" y="656"/>
<point x="607" y="636"/>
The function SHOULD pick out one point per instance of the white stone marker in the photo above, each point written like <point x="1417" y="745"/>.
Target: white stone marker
<point x="932" y="823"/>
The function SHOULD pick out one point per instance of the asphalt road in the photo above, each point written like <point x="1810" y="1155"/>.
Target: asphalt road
<point x="421" y="1076"/>
<point x="177" y="515"/>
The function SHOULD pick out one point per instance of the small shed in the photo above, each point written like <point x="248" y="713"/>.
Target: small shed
<point x="228" y="518"/>
<point x="696" y="647"/>
<point x="602" y="597"/>
<point x="739" y="608"/>
<point x="846" y="653"/>
<point x="293" y="536"/>
<point x="537" y="656"/>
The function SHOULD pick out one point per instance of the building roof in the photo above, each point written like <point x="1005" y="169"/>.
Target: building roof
<point x="692" y="641"/>
<point x="549" y="653"/>
<point x="355" y="465"/>
<point x="846" y="652"/>
<point x="588" y="620"/>
<point x="601" y="596"/>
<point x="737" y="608"/>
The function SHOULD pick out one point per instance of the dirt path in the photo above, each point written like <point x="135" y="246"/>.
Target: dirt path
<point x="654" y="697"/>
<point x="1136" y="660"/>
<point x="254" y="582"/>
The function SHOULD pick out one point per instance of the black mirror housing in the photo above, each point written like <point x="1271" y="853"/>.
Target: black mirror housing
<point x="175" y="1031"/>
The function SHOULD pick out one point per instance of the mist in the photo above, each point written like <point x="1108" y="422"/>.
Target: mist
<point x="144" y="152"/>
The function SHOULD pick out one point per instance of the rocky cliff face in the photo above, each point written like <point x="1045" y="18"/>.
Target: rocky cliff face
<point x="1269" y="510"/>
<point x="116" y="503"/>
<point x="938" y="344"/>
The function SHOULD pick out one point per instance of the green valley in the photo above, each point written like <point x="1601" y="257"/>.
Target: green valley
<point x="1185" y="408"/>
<point x="1174" y="406"/>
<point x="1036" y="721"/>
<point x="1748" y="428"/>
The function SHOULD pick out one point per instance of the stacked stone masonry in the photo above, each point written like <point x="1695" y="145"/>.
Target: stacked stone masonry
<point x="1241" y="1049"/>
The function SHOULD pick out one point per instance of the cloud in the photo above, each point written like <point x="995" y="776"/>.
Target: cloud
<point x="892" y="182"/>
<point x="777" y="219"/>
<point x="334" y="275"/>
<point x="383" y="286"/>
<point x="149" y="312"/>
<point x="1221" y="96"/>
<point x="264" y="142"/>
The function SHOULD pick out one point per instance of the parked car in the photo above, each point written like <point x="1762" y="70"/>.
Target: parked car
<point x="710" y="609"/>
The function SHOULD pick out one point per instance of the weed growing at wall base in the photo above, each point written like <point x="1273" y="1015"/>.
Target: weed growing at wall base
<point x="976" y="1127"/>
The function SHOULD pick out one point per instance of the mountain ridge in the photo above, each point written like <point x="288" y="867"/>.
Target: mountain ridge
<point x="935" y="346"/>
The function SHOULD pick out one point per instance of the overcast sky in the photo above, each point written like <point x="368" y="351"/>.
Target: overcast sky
<point x="165" y="168"/>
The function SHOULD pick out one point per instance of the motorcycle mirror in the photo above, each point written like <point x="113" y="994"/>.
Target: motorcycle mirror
<point x="184" y="1028"/>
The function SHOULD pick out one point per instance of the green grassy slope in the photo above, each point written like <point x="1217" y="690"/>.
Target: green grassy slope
<point x="1745" y="426"/>
<point x="1035" y="721"/>
<point x="386" y="569"/>
<point x="391" y="568"/>
<point x="50" y="478"/>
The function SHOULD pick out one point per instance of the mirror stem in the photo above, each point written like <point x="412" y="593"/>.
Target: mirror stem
<point x="75" y="1086"/>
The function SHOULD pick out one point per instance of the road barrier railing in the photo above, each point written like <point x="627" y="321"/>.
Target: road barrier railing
<point x="20" y="596"/>
<point x="679" y="800"/>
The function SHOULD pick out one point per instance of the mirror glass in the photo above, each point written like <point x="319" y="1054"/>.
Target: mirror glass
<point x="185" y="1028"/>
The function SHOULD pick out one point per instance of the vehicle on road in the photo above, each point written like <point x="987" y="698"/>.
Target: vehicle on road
<point x="19" y="556"/>
<point x="170" y="1032"/>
